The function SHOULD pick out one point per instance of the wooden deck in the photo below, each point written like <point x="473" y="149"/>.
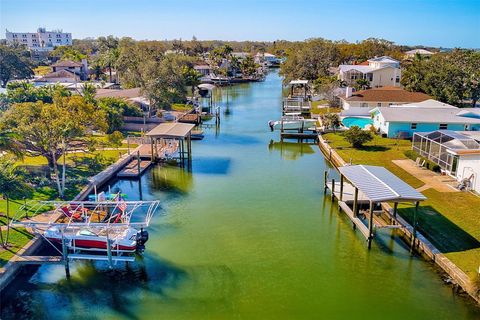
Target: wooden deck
<point x="381" y="219"/>
<point x="38" y="259"/>
<point x="134" y="169"/>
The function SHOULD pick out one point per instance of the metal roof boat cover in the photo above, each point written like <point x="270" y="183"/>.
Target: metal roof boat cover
<point x="206" y="86"/>
<point x="171" y="130"/>
<point x="298" y="82"/>
<point x="379" y="184"/>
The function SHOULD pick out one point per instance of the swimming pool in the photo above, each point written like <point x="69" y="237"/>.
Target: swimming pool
<point x="361" y="122"/>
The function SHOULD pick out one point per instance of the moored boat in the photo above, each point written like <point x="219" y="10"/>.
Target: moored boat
<point x="292" y="121"/>
<point x="122" y="239"/>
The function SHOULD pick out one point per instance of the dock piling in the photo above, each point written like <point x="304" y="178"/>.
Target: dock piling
<point x="370" y="226"/>
<point x="65" y="255"/>
<point x="333" y="189"/>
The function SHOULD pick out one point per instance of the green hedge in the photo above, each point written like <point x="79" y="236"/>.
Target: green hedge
<point x="428" y="164"/>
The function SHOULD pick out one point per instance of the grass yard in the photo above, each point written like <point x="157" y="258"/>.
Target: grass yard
<point x="320" y="111"/>
<point x="18" y="238"/>
<point x="450" y="221"/>
<point x="452" y="224"/>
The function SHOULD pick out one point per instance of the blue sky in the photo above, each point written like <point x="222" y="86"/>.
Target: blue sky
<point x="446" y="23"/>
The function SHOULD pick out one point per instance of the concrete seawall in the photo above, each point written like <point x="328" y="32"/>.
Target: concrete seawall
<point x="424" y="247"/>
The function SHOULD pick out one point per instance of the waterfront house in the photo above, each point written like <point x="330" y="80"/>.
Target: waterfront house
<point x="456" y="152"/>
<point x="378" y="71"/>
<point x="380" y="97"/>
<point x="430" y="115"/>
<point x="422" y="52"/>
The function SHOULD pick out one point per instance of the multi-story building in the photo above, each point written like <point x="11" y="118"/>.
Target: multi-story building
<point x="379" y="72"/>
<point x="42" y="40"/>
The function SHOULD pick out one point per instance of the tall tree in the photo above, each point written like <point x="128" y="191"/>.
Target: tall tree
<point x="13" y="65"/>
<point x="109" y="52"/>
<point x="310" y="60"/>
<point x="449" y="77"/>
<point x="49" y="130"/>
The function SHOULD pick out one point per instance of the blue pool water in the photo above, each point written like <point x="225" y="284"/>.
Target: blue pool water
<point x="356" y="121"/>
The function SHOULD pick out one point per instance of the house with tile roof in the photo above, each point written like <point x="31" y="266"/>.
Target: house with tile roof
<point x="380" y="97"/>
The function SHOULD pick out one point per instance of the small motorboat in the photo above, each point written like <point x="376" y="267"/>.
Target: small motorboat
<point x="123" y="239"/>
<point x="292" y="121"/>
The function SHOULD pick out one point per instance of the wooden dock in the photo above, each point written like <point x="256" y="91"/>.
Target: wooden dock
<point x="194" y="118"/>
<point x="380" y="219"/>
<point x="134" y="169"/>
<point x="38" y="259"/>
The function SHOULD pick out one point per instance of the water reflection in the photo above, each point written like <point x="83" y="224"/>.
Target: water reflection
<point x="171" y="178"/>
<point x="291" y="150"/>
<point x="212" y="165"/>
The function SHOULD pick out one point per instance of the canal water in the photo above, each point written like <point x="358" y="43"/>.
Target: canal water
<point x="247" y="235"/>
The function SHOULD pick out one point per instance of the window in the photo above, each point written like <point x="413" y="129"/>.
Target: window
<point x="364" y="104"/>
<point x="379" y="104"/>
<point x="413" y="126"/>
<point x="397" y="80"/>
<point x="443" y="126"/>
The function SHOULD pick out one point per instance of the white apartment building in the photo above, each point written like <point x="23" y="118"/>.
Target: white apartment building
<point x="42" y="40"/>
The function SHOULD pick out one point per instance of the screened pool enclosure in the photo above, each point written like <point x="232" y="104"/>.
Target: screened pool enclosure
<point x="443" y="147"/>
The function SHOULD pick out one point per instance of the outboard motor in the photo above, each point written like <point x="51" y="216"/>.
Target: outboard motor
<point x="142" y="238"/>
<point x="271" y="124"/>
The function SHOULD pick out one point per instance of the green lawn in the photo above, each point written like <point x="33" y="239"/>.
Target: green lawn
<point x="378" y="152"/>
<point x="451" y="221"/>
<point x="321" y="111"/>
<point x="18" y="238"/>
<point x="181" y="107"/>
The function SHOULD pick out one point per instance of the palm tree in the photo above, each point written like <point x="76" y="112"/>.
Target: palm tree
<point x="11" y="185"/>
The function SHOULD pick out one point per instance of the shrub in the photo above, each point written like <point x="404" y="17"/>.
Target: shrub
<point x="428" y="163"/>
<point x="357" y="137"/>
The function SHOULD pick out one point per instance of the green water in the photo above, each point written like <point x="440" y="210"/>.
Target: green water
<point x="247" y="235"/>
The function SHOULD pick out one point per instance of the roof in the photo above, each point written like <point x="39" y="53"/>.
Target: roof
<point x="388" y="94"/>
<point x="118" y="93"/>
<point x="424" y="115"/>
<point x="419" y="51"/>
<point x="171" y="130"/>
<point x="356" y="67"/>
<point x="67" y="63"/>
<point x="458" y="142"/>
<point x="430" y="103"/>
<point x="60" y="74"/>
<point x="206" y="86"/>
<point x="293" y="82"/>
<point x="202" y="67"/>
<point x="386" y="59"/>
<point x="378" y="184"/>
<point x="360" y="68"/>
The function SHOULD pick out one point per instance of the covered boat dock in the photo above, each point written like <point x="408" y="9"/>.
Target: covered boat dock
<point x="181" y="133"/>
<point x="371" y="185"/>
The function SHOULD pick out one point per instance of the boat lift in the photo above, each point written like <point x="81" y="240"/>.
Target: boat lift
<point x="110" y="218"/>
